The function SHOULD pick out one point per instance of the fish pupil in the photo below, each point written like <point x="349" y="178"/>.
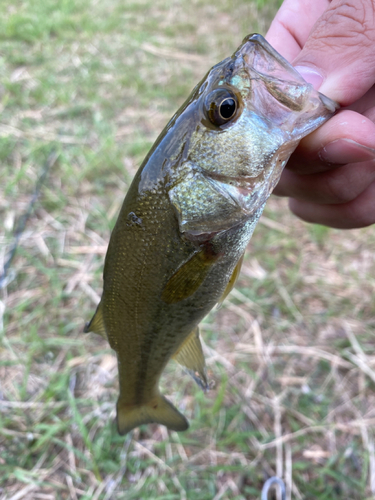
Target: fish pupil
<point x="221" y="106"/>
<point x="228" y="108"/>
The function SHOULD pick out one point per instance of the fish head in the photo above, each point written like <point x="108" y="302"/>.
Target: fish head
<point x="253" y="109"/>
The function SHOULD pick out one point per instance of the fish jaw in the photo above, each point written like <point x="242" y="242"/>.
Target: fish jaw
<point x="277" y="91"/>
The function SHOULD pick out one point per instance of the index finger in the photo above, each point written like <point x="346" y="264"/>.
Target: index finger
<point x="292" y="25"/>
<point x="340" y="50"/>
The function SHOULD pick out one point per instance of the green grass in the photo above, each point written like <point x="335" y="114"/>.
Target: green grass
<point x="293" y="393"/>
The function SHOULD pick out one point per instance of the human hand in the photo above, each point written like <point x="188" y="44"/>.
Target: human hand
<point x="330" y="179"/>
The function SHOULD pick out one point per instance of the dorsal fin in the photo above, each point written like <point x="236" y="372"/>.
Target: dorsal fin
<point x="190" y="356"/>
<point x="96" y="324"/>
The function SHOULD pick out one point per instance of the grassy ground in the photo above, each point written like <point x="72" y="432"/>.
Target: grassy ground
<point x="291" y="353"/>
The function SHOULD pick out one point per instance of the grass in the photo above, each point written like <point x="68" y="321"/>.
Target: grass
<point x="290" y="353"/>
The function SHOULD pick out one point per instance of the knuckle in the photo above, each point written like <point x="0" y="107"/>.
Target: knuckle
<point x="339" y="187"/>
<point x="358" y="216"/>
<point x="362" y="209"/>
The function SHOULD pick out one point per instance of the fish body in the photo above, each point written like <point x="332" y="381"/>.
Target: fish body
<point x="188" y="216"/>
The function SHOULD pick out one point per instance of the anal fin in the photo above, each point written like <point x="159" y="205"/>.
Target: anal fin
<point x="96" y="324"/>
<point x="190" y="356"/>
<point x="159" y="411"/>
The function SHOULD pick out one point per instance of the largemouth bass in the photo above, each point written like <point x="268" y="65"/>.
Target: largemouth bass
<point x="188" y="216"/>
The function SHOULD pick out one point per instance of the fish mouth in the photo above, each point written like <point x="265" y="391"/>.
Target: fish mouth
<point x="298" y="107"/>
<point x="258" y="56"/>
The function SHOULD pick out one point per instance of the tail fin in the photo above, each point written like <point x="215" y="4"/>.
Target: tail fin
<point x="159" y="410"/>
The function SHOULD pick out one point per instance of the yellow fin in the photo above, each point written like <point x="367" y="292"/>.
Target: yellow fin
<point x="190" y="355"/>
<point x="232" y="281"/>
<point x="188" y="278"/>
<point x="159" y="411"/>
<point x="96" y="324"/>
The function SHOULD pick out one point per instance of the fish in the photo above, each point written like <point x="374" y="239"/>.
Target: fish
<point x="177" y="246"/>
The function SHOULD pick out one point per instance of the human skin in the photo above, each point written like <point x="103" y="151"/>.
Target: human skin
<point x="330" y="179"/>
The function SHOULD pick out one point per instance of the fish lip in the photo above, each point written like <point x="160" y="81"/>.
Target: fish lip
<point x="254" y="45"/>
<point x="329" y="103"/>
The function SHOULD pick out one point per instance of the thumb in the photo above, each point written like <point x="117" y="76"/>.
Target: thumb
<point x="339" y="55"/>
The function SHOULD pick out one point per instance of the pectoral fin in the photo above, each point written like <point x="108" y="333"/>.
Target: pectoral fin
<point x="232" y="281"/>
<point x="159" y="411"/>
<point x="190" y="356"/>
<point x="188" y="278"/>
<point x="96" y="324"/>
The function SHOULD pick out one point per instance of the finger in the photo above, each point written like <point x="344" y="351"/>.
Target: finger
<point x="364" y="103"/>
<point x="347" y="137"/>
<point x="337" y="186"/>
<point x="339" y="53"/>
<point x="359" y="212"/>
<point x="370" y="114"/>
<point x="292" y="24"/>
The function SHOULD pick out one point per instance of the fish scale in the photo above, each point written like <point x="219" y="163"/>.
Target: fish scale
<point x="178" y="243"/>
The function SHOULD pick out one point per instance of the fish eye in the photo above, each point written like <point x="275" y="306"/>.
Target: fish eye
<point x="221" y="106"/>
